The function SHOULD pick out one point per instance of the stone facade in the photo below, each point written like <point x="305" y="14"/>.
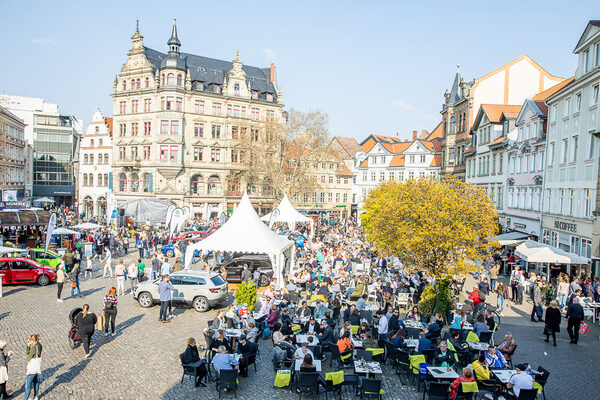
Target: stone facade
<point x="13" y="150"/>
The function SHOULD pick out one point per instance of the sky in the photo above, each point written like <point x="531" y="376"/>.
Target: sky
<point x="375" y="67"/>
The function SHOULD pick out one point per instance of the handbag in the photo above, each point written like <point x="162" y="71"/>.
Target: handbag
<point x="583" y="328"/>
<point x="34" y="366"/>
<point x="73" y="284"/>
<point x="3" y="374"/>
<point x="547" y="331"/>
<point x="100" y="322"/>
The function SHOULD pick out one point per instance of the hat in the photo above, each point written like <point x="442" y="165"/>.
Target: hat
<point x="522" y="366"/>
<point x="312" y="318"/>
<point x="243" y="337"/>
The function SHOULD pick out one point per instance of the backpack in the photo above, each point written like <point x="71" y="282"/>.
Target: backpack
<point x="481" y="295"/>
<point x="266" y="332"/>
<point x="108" y="304"/>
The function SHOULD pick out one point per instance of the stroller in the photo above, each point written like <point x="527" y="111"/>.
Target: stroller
<point x="74" y="337"/>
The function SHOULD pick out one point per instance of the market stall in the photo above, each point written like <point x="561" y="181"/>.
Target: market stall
<point x="540" y="253"/>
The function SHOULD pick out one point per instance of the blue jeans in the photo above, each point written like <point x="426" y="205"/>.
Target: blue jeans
<point x="500" y="303"/>
<point x="32" y="382"/>
<point x="562" y="300"/>
<point x="78" y="290"/>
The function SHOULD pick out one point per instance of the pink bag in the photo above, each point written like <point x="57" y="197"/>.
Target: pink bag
<point x="583" y="328"/>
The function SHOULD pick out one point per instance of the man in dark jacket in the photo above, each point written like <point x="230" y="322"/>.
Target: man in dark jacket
<point x="326" y="336"/>
<point x="245" y="273"/>
<point x="311" y="327"/>
<point x="536" y="296"/>
<point x="574" y="318"/>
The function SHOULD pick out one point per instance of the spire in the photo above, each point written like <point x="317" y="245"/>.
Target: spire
<point x="174" y="42"/>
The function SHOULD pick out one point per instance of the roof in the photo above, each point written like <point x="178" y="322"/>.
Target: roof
<point x="437" y="133"/>
<point x="550" y="91"/>
<point x="454" y="92"/>
<point x="365" y="163"/>
<point x="495" y="111"/>
<point x="349" y="144"/>
<point x="498" y="140"/>
<point x="109" y="123"/>
<point x="344" y="171"/>
<point x="437" y="160"/>
<point x="396" y="148"/>
<point x="397" y="161"/>
<point x="593" y="22"/>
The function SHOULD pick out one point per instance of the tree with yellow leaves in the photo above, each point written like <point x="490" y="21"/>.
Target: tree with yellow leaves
<point x="442" y="227"/>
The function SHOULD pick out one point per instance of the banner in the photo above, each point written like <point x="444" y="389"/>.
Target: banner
<point x="169" y="215"/>
<point x="222" y="219"/>
<point x="186" y="212"/>
<point x="109" y="206"/>
<point x="50" y="230"/>
<point x="9" y="195"/>
<point x="208" y="212"/>
<point x="176" y="221"/>
<point x="274" y="215"/>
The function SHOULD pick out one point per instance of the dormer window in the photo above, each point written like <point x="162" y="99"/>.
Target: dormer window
<point x="147" y="82"/>
<point x="217" y="89"/>
<point x="171" y="79"/>
<point x="269" y="96"/>
<point x="200" y="86"/>
<point x="255" y="94"/>
<point x="236" y="89"/>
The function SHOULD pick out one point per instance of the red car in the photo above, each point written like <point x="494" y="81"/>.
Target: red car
<point x="18" y="270"/>
<point x="193" y="234"/>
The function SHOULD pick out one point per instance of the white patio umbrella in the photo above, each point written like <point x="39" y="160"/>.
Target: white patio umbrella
<point x="64" y="231"/>
<point x="44" y="200"/>
<point x="87" y="226"/>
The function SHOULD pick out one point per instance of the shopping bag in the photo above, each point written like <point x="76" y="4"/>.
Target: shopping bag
<point x="100" y="323"/>
<point x="583" y="328"/>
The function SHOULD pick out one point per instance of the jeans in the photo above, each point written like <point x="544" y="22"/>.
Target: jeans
<point x="86" y="340"/>
<point x="520" y="290"/>
<point x="133" y="282"/>
<point x="110" y="316"/>
<point x="492" y="284"/>
<point x="163" y="310"/>
<point x="573" y="329"/>
<point x="32" y="381"/>
<point x="562" y="300"/>
<point x="141" y="250"/>
<point x="59" y="288"/>
<point x="539" y="310"/>
<point x="78" y="290"/>
<point x="500" y="302"/>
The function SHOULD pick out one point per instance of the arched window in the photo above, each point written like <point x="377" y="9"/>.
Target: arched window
<point x="99" y="159"/>
<point x="91" y="181"/>
<point x="105" y="158"/>
<point x="99" y="183"/>
<point x="97" y="129"/>
<point x="236" y="89"/>
<point x="137" y="83"/>
<point x="85" y="159"/>
<point x="133" y="83"/>
<point x="170" y="79"/>
<point x="178" y="79"/>
<point x="124" y="85"/>
<point x="92" y="142"/>
<point x="197" y="184"/>
<point x="122" y="182"/>
<point x="214" y="185"/>
<point x="147" y="82"/>
<point x="453" y="125"/>
<point x="92" y="159"/>
<point x="135" y="182"/>
<point x="105" y="180"/>
<point x="146" y="182"/>
<point x="85" y="180"/>
<point x="100" y="142"/>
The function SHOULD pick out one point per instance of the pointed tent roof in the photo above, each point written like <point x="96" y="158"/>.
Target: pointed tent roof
<point x="287" y="213"/>
<point x="244" y="232"/>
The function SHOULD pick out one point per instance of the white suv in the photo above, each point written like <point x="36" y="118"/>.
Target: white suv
<point x="197" y="289"/>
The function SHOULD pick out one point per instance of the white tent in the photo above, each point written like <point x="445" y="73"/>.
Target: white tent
<point x="4" y="249"/>
<point x="287" y="214"/>
<point x="536" y="252"/>
<point x="64" y="231"/>
<point x="87" y="226"/>
<point x="245" y="233"/>
<point x="511" y="238"/>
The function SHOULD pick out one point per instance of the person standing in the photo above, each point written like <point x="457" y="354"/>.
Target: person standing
<point x="563" y="291"/>
<point x="88" y="268"/>
<point x="245" y="273"/>
<point x="502" y="293"/>
<point x="109" y="306"/>
<point x="4" y="359"/>
<point x="60" y="281"/>
<point x="552" y="321"/>
<point x="164" y="291"/>
<point x="521" y="287"/>
<point x="536" y="296"/>
<point x="75" y="281"/>
<point x="514" y="283"/>
<point x="68" y="260"/>
<point x="141" y="270"/>
<point x="34" y="366"/>
<point x="155" y="267"/>
<point x="574" y="318"/>
<point x="86" y="323"/>
<point x="120" y="272"/>
<point x="108" y="262"/>
<point x="165" y="268"/>
<point x="493" y="276"/>
<point x="140" y="246"/>
<point x="132" y="275"/>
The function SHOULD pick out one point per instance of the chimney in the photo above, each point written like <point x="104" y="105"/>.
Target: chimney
<point x="272" y="73"/>
<point x="396" y="134"/>
<point x="414" y="135"/>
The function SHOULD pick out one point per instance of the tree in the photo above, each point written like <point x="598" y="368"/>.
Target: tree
<point x="442" y="227"/>
<point x="281" y="155"/>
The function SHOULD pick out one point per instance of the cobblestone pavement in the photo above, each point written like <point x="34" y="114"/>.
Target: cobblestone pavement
<point x="142" y="362"/>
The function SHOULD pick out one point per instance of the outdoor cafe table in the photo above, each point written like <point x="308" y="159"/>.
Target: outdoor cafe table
<point x="409" y="323"/>
<point x="301" y="339"/>
<point x="233" y="333"/>
<point x="316" y="362"/>
<point x="504" y="375"/>
<point x="356" y="343"/>
<point x="467" y="326"/>
<point x="478" y="346"/>
<point x="371" y="307"/>
<point x="442" y="373"/>
<point x="370" y="368"/>
<point x="411" y="342"/>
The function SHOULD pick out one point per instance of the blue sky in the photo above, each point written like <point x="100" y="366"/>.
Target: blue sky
<point x="375" y="67"/>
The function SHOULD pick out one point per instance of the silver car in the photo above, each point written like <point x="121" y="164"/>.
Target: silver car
<point x="197" y="289"/>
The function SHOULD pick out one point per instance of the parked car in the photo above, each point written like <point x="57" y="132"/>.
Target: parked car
<point x="234" y="268"/>
<point x="49" y="258"/>
<point x="198" y="289"/>
<point x="17" y="270"/>
<point x="169" y="249"/>
<point x="192" y="234"/>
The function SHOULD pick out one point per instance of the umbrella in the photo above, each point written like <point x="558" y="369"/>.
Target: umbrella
<point x="4" y="249"/>
<point x="87" y="225"/>
<point x="44" y="200"/>
<point x="64" y="231"/>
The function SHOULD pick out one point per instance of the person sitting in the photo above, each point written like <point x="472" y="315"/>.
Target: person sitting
<point x="344" y="344"/>
<point x="327" y="318"/>
<point x="269" y="294"/>
<point x="443" y="356"/>
<point x="507" y="346"/>
<point x="219" y="322"/>
<point x="494" y="358"/>
<point x="326" y="335"/>
<point x="278" y="336"/>
<point x="192" y="358"/>
<point x="304" y="311"/>
<point x="481" y="369"/>
<point x="480" y="326"/>
<point x="309" y="366"/>
<point x="302" y="351"/>
<point x="348" y="311"/>
<point x="395" y="322"/>
<point x="286" y="322"/>
<point x="467" y="377"/>
<point x="252" y="330"/>
<point x="273" y="317"/>
<point x="318" y="312"/>
<point x="363" y="329"/>
<point x="414" y="314"/>
<point x="423" y="343"/>
<point x="218" y="341"/>
<point x="222" y="360"/>
<point x="354" y="317"/>
<point x="433" y="329"/>
<point x="397" y="339"/>
<point x="362" y="302"/>
<point x="457" y="322"/>
<point x="345" y="328"/>
<point x="236" y="321"/>
<point x="368" y="342"/>
<point x="519" y="380"/>
<point x="311" y="327"/>
<point x="246" y="349"/>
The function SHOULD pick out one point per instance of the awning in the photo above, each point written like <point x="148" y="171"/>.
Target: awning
<point x="535" y="252"/>
<point x="24" y="217"/>
<point x="511" y="238"/>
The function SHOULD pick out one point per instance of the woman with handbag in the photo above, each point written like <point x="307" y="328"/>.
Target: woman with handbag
<point x="34" y="366"/>
<point x="75" y="281"/>
<point x="552" y="321"/>
<point x="4" y="359"/>
<point x="110" y="310"/>
<point x="86" y="322"/>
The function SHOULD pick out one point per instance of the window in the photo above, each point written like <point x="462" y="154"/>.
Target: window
<point x="121" y="153"/>
<point x="586" y="61"/>
<point x="122" y="182"/>
<point x="586" y="248"/>
<point x="85" y="179"/>
<point x="134" y="128"/>
<point x="236" y="89"/>
<point x="255" y="94"/>
<point x="322" y="197"/>
<point x="86" y="159"/>
<point x="453" y="125"/>
<point x="134" y="106"/>
<point x="364" y="176"/>
<point x="217" y="89"/>
<point x="411" y="159"/>
<point x="575" y="245"/>
<point x="198" y="130"/>
<point x="382" y="176"/>
<point x="561" y="201"/>
<point x="235" y="132"/>
<point x="199" y="107"/>
<point x="134" y="152"/>
<point x="216" y="108"/>
<point x="197" y="153"/>
<point x="499" y="198"/>
<point x="147" y="82"/>
<point x="122" y="130"/>
<point x="500" y="164"/>
<point x="255" y="114"/>
<point x="411" y="175"/>
<point x="216" y="131"/>
<point x="567" y="107"/>
<point x="164" y="152"/>
<point x="179" y="102"/>
<point x="147" y="105"/>
<point x="147" y="128"/>
<point x="133" y="83"/>
<point x="145" y="182"/>
<point x="587" y="209"/>
<point x="215" y="155"/>
<point x="135" y="182"/>
<point x="565" y="154"/>
<point x="592" y="148"/>
<point x="170" y="79"/>
<point x="595" y="94"/>
<point x="578" y="102"/>
<point x="124" y="85"/>
<point x="423" y="158"/>
<point x="92" y="158"/>
<point x="373" y="176"/>
<point x="174" y="155"/>
<point x="146" y="152"/>
<point x="392" y="176"/>
<point x="196" y="184"/>
<point x="214" y="185"/>
<point x="554" y="112"/>
<point x="575" y="148"/>
<point x="123" y="107"/>
<point x="164" y="127"/>
<point x="200" y="86"/>
<point x="236" y="157"/>
<point x="178" y="79"/>
<point x="170" y="101"/>
<point x="451" y="156"/>
<point x="597" y="55"/>
<point x="269" y="96"/>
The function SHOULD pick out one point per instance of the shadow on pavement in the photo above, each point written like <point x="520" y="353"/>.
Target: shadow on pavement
<point x="4" y="315"/>
<point x="91" y="291"/>
<point x="13" y="291"/>
<point x="65" y="377"/>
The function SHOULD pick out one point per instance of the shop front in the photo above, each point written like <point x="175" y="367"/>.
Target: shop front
<point x="528" y="226"/>
<point x="572" y="235"/>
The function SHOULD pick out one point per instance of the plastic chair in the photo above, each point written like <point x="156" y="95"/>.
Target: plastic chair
<point x="527" y="394"/>
<point x="227" y="379"/>
<point x="308" y="382"/>
<point x="542" y="379"/>
<point x="370" y="389"/>
<point x="364" y="355"/>
<point x="188" y="369"/>
<point x="437" y="390"/>
<point x="485" y="337"/>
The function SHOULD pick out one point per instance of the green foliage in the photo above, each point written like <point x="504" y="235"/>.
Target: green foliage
<point x="427" y="302"/>
<point x="246" y="294"/>
<point x="443" y="303"/>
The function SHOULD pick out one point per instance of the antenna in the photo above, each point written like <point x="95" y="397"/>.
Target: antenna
<point x="458" y="68"/>
<point x="137" y="24"/>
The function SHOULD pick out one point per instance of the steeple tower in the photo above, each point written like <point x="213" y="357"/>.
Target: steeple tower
<point x="174" y="42"/>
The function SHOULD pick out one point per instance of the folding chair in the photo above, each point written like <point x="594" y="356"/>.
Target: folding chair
<point x="437" y="390"/>
<point x="370" y="389"/>
<point x="227" y="379"/>
<point x="308" y="382"/>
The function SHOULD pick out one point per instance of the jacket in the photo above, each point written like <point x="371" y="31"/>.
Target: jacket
<point x="537" y="295"/>
<point x="86" y="325"/>
<point x="316" y="330"/>
<point x="575" y="311"/>
<point x="507" y="348"/>
<point x="191" y="355"/>
<point x="326" y="336"/>
<point x="553" y="318"/>
<point x="164" y="290"/>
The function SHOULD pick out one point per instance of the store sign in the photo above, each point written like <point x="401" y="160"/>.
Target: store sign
<point x="517" y="225"/>
<point x="15" y="204"/>
<point x="565" y="226"/>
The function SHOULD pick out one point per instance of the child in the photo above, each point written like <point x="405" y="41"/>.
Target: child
<point x="88" y="268"/>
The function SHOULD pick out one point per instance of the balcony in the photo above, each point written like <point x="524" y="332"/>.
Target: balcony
<point x="134" y="163"/>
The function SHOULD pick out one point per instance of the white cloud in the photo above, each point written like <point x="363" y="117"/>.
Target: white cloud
<point x="43" y="41"/>
<point x="403" y="106"/>
<point x="269" y="53"/>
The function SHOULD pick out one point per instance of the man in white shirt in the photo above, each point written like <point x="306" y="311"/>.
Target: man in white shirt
<point x="520" y="380"/>
<point x="302" y="351"/>
<point x="165" y="268"/>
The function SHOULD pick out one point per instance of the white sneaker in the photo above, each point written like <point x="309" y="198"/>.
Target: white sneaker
<point x="171" y="316"/>
<point x="114" y="333"/>
<point x="87" y="355"/>
<point x="502" y="315"/>
<point x="59" y="300"/>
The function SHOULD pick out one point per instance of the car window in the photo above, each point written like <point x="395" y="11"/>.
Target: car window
<point x="200" y="281"/>
<point x="22" y="265"/>
<point x="3" y="265"/>
<point x="175" y="280"/>
<point x="217" y="280"/>
<point x="188" y="280"/>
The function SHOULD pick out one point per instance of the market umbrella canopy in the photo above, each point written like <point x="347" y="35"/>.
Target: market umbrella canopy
<point x="141" y="210"/>
<point x="64" y="231"/>
<point x="87" y="225"/>
<point x="44" y="200"/>
<point x="511" y="238"/>
<point x="287" y="213"/>
<point x="4" y="249"/>
<point x="533" y="252"/>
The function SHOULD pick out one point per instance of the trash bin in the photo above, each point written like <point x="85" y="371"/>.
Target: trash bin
<point x="423" y="368"/>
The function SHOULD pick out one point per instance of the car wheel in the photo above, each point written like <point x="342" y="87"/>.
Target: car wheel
<point x="43" y="280"/>
<point x="201" y="304"/>
<point x="145" y="300"/>
<point x="263" y="280"/>
<point x="170" y="253"/>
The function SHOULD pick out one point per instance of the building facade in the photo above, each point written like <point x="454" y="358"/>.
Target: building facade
<point x="54" y="138"/>
<point x="95" y="166"/>
<point x="348" y="148"/>
<point x="570" y="202"/>
<point x="13" y="168"/>
<point x="511" y="83"/>
<point x="177" y="117"/>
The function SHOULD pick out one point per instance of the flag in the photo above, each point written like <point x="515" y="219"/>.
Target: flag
<point x="274" y="215"/>
<point x="176" y="221"/>
<point x="50" y="230"/>
<point x="9" y="195"/>
<point x="109" y="206"/>
<point x="169" y="215"/>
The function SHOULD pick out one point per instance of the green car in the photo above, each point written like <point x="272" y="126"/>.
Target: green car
<point x="51" y="258"/>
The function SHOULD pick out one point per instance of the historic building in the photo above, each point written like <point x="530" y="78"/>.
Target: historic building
<point x="177" y="117"/>
<point x="54" y="137"/>
<point x="347" y="148"/>
<point x="390" y="158"/>
<point x="13" y="161"/>
<point x="95" y="166"/>
<point x="570" y="204"/>
<point x="511" y="83"/>
<point x="486" y="158"/>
